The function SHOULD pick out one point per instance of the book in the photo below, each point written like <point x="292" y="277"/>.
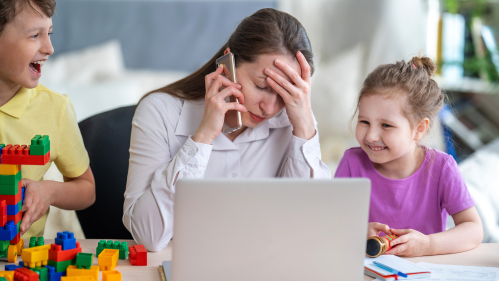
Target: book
<point x="411" y="269"/>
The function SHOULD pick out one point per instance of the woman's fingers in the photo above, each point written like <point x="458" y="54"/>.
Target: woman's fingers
<point x="235" y="106"/>
<point x="218" y="83"/>
<point x="231" y="91"/>
<point x="283" y="83"/>
<point x="305" y="67"/>
<point x="290" y="72"/>
<point x="279" y="89"/>
<point x="208" y="79"/>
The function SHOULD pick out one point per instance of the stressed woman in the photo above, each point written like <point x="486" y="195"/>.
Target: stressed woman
<point x="177" y="130"/>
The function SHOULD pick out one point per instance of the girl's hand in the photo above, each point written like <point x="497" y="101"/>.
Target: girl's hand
<point x="215" y="106"/>
<point x="38" y="197"/>
<point x="374" y="228"/>
<point x="411" y="243"/>
<point x="296" y="95"/>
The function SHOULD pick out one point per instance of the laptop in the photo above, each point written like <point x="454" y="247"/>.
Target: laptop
<point x="270" y="229"/>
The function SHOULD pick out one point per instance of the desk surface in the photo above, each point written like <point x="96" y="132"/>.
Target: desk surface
<point x="484" y="255"/>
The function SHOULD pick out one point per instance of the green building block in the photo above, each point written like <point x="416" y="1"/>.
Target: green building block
<point x="2" y="145"/>
<point x="3" y="279"/>
<point x="39" y="145"/>
<point x="40" y="241"/>
<point x="43" y="274"/>
<point x="110" y="244"/>
<point x="19" y="227"/>
<point x="32" y="242"/>
<point x="84" y="260"/>
<point x="10" y="181"/>
<point x="4" y="245"/>
<point x="35" y="242"/>
<point x="62" y="265"/>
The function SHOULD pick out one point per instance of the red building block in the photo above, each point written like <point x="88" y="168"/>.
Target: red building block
<point x="57" y="254"/>
<point x="15" y="218"/>
<point x="19" y="155"/>
<point x="13" y="199"/>
<point x="24" y="274"/>
<point x="137" y="255"/>
<point x="3" y="213"/>
<point x="16" y="240"/>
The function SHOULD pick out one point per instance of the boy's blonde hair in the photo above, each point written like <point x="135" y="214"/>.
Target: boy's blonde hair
<point x="9" y="9"/>
<point x="411" y="81"/>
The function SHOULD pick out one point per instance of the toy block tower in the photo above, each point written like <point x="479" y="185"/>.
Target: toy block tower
<point x="12" y="157"/>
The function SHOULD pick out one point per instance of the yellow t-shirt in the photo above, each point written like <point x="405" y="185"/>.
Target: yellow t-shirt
<point x="40" y="111"/>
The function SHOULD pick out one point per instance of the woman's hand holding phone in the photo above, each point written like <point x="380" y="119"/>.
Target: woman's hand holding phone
<point x="215" y="106"/>
<point x="296" y="95"/>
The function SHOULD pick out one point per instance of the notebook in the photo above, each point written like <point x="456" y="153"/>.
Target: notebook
<point x="412" y="270"/>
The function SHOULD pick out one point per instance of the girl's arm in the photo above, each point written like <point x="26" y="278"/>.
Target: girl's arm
<point x="466" y="235"/>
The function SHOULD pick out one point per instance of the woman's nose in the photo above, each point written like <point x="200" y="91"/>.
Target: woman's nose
<point x="268" y="103"/>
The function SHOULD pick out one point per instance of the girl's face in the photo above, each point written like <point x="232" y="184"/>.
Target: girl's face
<point x="382" y="131"/>
<point x="260" y="99"/>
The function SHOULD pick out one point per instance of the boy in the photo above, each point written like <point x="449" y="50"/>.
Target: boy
<point x="28" y="109"/>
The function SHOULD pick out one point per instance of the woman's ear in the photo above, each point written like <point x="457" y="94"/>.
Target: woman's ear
<point x="422" y="127"/>
<point x="227" y="51"/>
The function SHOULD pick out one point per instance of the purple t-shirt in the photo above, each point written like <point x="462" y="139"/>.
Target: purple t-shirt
<point x="420" y="201"/>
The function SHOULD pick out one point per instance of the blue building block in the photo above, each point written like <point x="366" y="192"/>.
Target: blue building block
<point x="22" y="195"/>
<point x="12" y="210"/>
<point x="66" y="239"/>
<point x="54" y="276"/>
<point x="12" y="267"/>
<point x="9" y="231"/>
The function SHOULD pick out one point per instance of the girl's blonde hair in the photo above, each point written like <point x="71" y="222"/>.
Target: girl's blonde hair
<point x="411" y="81"/>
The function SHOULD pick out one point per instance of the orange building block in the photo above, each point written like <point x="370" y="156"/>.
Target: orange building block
<point x="108" y="259"/>
<point x="112" y="275"/>
<point x="9" y="275"/>
<point x="73" y="270"/>
<point x="9" y="170"/>
<point x="78" y="278"/>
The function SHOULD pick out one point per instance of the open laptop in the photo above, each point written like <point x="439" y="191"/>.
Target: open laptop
<point x="270" y="229"/>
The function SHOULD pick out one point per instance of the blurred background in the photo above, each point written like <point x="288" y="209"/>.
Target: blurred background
<point x="109" y="53"/>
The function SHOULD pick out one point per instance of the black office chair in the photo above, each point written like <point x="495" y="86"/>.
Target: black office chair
<point x="107" y="140"/>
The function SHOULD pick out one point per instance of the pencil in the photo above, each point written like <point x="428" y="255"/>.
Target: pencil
<point x="162" y="273"/>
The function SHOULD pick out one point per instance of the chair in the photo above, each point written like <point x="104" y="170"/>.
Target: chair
<point x="107" y="140"/>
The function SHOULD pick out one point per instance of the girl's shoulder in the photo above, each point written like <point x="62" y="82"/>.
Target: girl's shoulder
<point x="355" y="153"/>
<point x="438" y="158"/>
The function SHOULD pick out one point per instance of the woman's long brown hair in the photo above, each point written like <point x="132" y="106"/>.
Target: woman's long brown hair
<point x="267" y="31"/>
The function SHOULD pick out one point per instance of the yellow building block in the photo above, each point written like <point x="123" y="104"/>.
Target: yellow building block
<point x="12" y="253"/>
<point x="78" y="278"/>
<point x="73" y="270"/>
<point x="108" y="259"/>
<point x="36" y="256"/>
<point x="112" y="275"/>
<point x="9" y="275"/>
<point x="8" y="170"/>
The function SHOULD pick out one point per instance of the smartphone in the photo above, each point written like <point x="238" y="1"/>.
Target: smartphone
<point x="232" y="120"/>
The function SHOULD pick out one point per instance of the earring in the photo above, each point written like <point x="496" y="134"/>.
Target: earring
<point x="416" y="141"/>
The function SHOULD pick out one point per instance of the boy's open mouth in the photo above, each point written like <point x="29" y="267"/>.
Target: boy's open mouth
<point x="36" y="66"/>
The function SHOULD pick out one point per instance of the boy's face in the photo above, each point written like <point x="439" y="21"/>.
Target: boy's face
<point x="24" y="47"/>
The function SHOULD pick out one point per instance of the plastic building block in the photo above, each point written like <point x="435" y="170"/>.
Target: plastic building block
<point x="9" y="231"/>
<point x="19" y="155"/>
<point x="36" y="256"/>
<point x="10" y="188"/>
<point x="122" y="246"/>
<point x="16" y="219"/>
<point x="12" y="210"/>
<point x="39" y="145"/>
<point x="42" y="273"/>
<point x="137" y="255"/>
<point x="25" y="274"/>
<point x="112" y="275"/>
<point x="11" y="199"/>
<point x="61" y="266"/>
<point x="4" y="245"/>
<point x="17" y="238"/>
<point x="72" y="270"/>
<point x="8" y="275"/>
<point x="78" y="278"/>
<point x="66" y="240"/>
<point x="52" y="275"/>
<point x="3" y="213"/>
<point x="34" y="241"/>
<point x="20" y="247"/>
<point x="108" y="259"/>
<point x="12" y="267"/>
<point x="84" y="260"/>
<point x="10" y="180"/>
<point x="56" y="253"/>
<point x="7" y="169"/>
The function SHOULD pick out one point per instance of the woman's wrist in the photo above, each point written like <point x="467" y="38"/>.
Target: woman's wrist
<point x="201" y="138"/>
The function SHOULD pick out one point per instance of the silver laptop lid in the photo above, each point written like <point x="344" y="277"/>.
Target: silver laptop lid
<point x="272" y="229"/>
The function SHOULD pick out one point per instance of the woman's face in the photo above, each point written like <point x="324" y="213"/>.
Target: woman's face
<point x="260" y="99"/>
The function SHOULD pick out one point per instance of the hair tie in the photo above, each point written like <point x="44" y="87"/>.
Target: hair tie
<point x="413" y="65"/>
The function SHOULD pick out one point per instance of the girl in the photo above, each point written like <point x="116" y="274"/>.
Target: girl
<point x="414" y="187"/>
<point x="176" y="130"/>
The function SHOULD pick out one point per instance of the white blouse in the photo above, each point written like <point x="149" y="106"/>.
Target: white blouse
<point x="161" y="148"/>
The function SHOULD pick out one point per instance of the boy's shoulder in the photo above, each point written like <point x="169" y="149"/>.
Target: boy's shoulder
<point x="41" y="91"/>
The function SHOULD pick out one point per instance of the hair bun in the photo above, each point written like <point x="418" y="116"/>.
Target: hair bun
<point x="426" y="63"/>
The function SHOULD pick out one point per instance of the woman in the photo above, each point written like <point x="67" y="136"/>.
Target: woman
<point x="176" y="131"/>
